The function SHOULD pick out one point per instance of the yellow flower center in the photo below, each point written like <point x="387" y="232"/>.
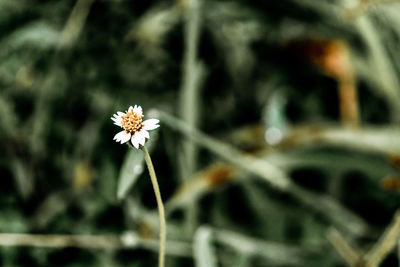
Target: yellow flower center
<point x="132" y="122"/>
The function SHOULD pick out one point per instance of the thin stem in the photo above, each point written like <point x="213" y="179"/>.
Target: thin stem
<point x="160" y="206"/>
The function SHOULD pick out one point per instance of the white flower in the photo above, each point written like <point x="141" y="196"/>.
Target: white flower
<point x="135" y="129"/>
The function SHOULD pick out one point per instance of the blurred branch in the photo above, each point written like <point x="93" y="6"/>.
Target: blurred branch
<point x="377" y="253"/>
<point x="22" y="175"/>
<point x="351" y="256"/>
<point x="128" y="240"/>
<point x="75" y="23"/>
<point x="278" y="253"/>
<point x="348" y="100"/>
<point x="398" y="248"/>
<point x="275" y="177"/>
<point x="190" y="100"/>
<point x="52" y="84"/>
<point x="8" y="118"/>
<point x="49" y="87"/>
<point x="152" y="28"/>
<point x="193" y="72"/>
<point x="363" y="6"/>
<point x="334" y="60"/>
<point x="378" y="66"/>
<point x="369" y="139"/>
<point x="372" y="139"/>
<point x="52" y="206"/>
<point x="201" y="182"/>
<point x="385" y="244"/>
<point x="203" y="248"/>
<point x="82" y="241"/>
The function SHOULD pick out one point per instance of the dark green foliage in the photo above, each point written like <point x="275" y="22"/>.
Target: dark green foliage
<point x="243" y="67"/>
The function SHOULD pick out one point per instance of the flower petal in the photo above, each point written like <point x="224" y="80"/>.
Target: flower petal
<point x="151" y="124"/>
<point x="142" y="139"/>
<point x="139" y="138"/>
<point x="122" y="137"/>
<point x="145" y="134"/>
<point x="130" y="109"/>
<point x="117" y="120"/>
<point x="138" y="110"/>
<point x="120" y="113"/>
<point x="135" y="140"/>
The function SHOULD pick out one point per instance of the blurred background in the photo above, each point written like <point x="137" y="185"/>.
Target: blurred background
<point x="279" y="142"/>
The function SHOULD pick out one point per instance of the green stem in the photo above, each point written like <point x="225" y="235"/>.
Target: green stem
<point x="160" y="206"/>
